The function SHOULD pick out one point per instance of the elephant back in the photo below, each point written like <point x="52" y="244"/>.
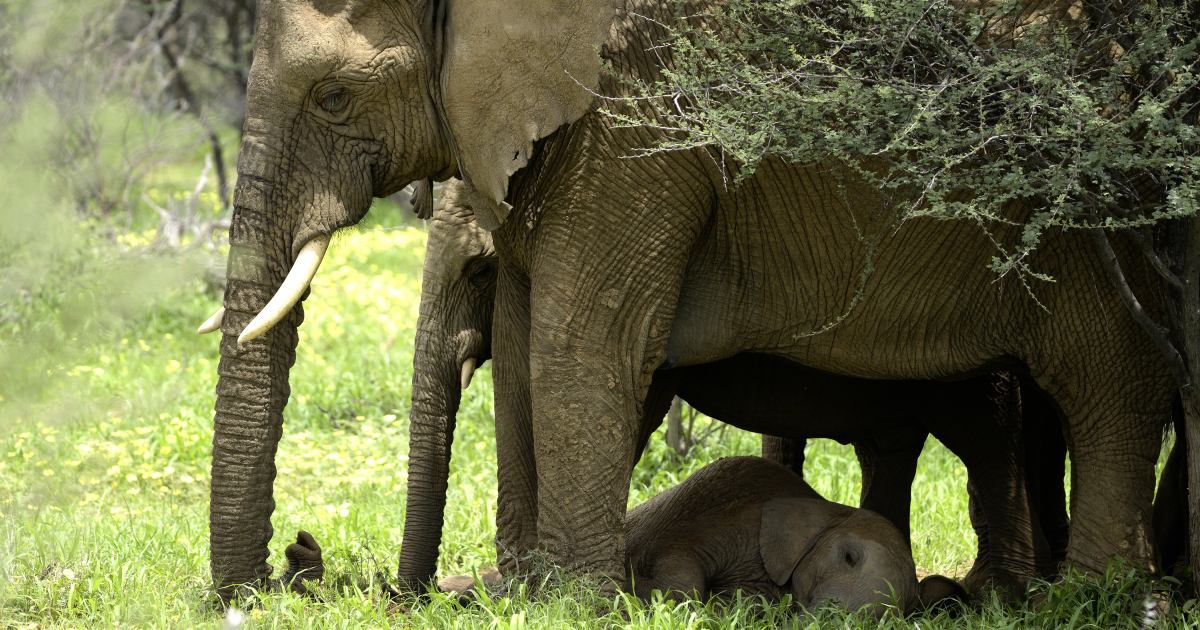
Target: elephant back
<point x="728" y="484"/>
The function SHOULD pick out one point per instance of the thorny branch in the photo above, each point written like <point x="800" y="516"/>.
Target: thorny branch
<point x="1108" y="259"/>
<point x="1039" y="120"/>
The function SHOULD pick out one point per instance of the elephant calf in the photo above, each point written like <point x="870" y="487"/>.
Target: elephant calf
<point x="744" y="523"/>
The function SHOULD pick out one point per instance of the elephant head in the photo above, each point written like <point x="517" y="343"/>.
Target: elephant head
<point x="349" y="100"/>
<point x="458" y="292"/>
<point x="829" y="552"/>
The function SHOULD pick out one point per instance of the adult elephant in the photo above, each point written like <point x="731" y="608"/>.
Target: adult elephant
<point x="980" y="419"/>
<point x="611" y="267"/>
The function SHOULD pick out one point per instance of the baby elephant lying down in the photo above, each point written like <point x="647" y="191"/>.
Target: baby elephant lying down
<point x="750" y="524"/>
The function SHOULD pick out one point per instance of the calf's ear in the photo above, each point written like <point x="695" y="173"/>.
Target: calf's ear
<point x="790" y="529"/>
<point x="938" y="591"/>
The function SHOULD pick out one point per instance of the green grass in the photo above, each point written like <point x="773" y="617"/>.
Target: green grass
<point x="104" y="477"/>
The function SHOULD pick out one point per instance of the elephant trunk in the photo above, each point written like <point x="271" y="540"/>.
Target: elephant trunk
<point x="436" y="393"/>
<point x="252" y="388"/>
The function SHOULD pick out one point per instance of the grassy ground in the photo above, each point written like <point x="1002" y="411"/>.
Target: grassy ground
<point x="104" y="481"/>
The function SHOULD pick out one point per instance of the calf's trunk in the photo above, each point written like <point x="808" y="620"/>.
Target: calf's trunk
<point x="436" y="394"/>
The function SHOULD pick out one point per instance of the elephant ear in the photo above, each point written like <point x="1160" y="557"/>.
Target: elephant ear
<point x="512" y="73"/>
<point x="791" y="527"/>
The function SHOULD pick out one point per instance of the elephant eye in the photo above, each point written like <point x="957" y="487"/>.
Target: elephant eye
<point x="481" y="272"/>
<point x="851" y="556"/>
<point x="335" y="101"/>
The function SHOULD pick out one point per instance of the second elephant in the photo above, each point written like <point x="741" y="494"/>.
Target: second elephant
<point x="759" y="393"/>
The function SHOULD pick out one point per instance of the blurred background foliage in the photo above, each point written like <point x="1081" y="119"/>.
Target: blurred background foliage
<point x="119" y="127"/>
<point x="105" y="105"/>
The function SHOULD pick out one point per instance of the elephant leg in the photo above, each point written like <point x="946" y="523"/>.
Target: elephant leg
<point x="588" y="424"/>
<point x="1115" y="398"/>
<point x="658" y="403"/>
<point x="597" y="337"/>
<point x="1045" y="469"/>
<point x="889" y="465"/>
<point x="786" y="452"/>
<point x="516" y="467"/>
<point x="979" y="420"/>
<point x="1171" y="532"/>
<point x="1112" y="483"/>
<point x="981" y="569"/>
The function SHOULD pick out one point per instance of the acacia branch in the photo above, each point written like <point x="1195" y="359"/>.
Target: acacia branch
<point x="1156" y="261"/>
<point x="1108" y="259"/>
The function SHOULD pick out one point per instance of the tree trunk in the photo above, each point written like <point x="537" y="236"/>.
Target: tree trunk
<point x="1189" y="321"/>
<point x="675" y="428"/>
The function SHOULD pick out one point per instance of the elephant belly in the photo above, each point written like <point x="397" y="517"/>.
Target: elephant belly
<point x="780" y="271"/>
<point x="776" y="396"/>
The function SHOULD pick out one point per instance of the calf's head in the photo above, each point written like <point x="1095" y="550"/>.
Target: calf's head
<point x="827" y="552"/>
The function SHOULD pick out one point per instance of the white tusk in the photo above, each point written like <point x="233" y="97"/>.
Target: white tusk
<point x="212" y="323"/>
<point x="468" y="369"/>
<point x="303" y="270"/>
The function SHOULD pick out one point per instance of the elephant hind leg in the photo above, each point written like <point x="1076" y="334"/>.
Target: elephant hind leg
<point x="1112" y="487"/>
<point x="889" y="465"/>
<point x="979" y="420"/>
<point x="786" y="452"/>
<point x="1115" y="437"/>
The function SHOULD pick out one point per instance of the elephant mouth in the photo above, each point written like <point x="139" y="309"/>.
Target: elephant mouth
<point x="304" y="269"/>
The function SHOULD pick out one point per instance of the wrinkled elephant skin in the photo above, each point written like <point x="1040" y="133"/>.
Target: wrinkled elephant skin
<point x="458" y="287"/>
<point x="611" y="267"/>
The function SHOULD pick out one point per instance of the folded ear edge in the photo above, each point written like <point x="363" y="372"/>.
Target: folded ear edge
<point x="790" y="528"/>
<point x="511" y="76"/>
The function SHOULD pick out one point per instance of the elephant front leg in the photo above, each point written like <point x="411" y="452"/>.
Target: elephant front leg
<point x="594" y="345"/>
<point x="586" y="434"/>
<point x="889" y="465"/>
<point x="1045" y="472"/>
<point x="786" y="452"/>
<point x="516" y="467"/>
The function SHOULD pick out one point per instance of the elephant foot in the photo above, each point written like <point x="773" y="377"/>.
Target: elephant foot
<point x="980" y="583"/>
<point x="304" y="564"/>
<point x="465" y="586"/>
<point x="977" y="577"/>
